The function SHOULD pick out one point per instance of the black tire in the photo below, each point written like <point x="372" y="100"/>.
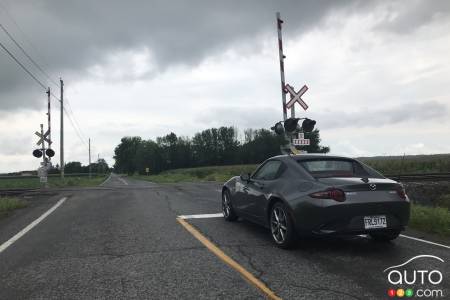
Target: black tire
<point x="281" y="226"/>
<point x="384" y="236"/>
<point x="227" y="208"/>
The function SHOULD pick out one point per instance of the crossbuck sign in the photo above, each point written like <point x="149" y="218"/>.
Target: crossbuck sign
<point x="43" y="138"/>
<point x="296" y="96"/>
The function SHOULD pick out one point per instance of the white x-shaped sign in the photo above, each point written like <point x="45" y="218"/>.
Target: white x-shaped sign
<point x="296" y="96"/>
<point x="42" y="138"/>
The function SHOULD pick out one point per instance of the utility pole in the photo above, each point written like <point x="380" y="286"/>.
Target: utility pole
<point x="61" y="154"/>
<point x="89" y="158"/>
<point x="49" y="120"/>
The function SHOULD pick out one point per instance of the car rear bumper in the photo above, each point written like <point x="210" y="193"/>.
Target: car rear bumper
<point x="343" y="218"/>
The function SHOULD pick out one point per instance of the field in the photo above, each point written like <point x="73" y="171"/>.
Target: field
<point x="215" y="173"/>
<point x="409" y="164"/>
<point x="18" y="183"/>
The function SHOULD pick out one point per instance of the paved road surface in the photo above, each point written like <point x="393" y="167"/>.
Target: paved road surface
<point x="122" y="241"/>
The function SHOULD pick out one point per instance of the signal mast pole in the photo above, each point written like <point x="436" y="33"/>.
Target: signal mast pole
<point x="49" y="120"/>
<point x="61" y="154"/>
<point x="282" y="57"/>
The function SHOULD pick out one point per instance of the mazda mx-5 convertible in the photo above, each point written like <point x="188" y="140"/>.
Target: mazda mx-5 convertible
<point x="317" y="194"/>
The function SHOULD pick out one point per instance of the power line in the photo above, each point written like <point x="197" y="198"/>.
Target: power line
<point x="25" y="37"/>
<point x="28" y="56"/>
<point x="74" y="118"/>
<point x="23" y="67"/>
<point x="74" y="127"/>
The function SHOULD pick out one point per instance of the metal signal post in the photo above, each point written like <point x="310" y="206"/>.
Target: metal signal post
<point x="61" y="154"/>
<point x="282" y="57"/>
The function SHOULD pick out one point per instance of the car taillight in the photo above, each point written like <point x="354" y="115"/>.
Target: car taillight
<point x="335" y="194"/>
<point x="401" y="191"/>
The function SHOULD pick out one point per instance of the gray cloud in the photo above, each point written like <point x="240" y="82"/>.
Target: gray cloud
<point x="418" y="112"/>
<point x="265" y="117"/>
<point x="404" y="19"/>
<point x="75" y="35"/>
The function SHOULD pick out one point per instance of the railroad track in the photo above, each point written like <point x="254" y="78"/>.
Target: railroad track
<point x="420" y="177"/>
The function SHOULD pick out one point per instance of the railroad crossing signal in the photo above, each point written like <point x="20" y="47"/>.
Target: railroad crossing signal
<point x="43" y="137"/>
<point x="296" y="96"/>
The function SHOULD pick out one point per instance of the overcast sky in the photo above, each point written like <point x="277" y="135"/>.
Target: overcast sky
<point x="378" y="72"/>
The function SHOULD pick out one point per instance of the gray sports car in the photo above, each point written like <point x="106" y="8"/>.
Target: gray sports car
<point x="317" y="194"/>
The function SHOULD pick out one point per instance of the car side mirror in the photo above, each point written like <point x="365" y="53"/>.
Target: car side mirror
<point x="245" y="177"/>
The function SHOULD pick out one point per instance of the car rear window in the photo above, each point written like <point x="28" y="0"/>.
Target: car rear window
<point x="320" y="168"/>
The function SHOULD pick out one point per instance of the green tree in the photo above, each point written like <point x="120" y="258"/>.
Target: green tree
<point x="125" y="154"/>
<point x="315" y="140"/>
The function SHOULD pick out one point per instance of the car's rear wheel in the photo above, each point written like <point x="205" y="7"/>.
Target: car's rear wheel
<point x="281" y="226"/>
<point x="227" y="207"/>
<point x="385" y="236"/>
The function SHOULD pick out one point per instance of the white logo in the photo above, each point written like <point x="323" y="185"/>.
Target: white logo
<point x="422" y="280"/>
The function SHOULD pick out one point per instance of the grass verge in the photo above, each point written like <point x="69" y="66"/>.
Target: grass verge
<point x="30" y="183"/>
<point x="8" y="204"/>
<point x="214" y="173"/>
<point x="434" y="220"/>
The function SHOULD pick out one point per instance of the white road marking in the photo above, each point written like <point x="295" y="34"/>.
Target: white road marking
<point x="203" y="216"/>
<point x="424" y="241"/>
<point x="30" y="226"/>
<point x="122" y="180"/>
<point x="106" y="180"/>
<point x="413" y="238"/>
<point x="219" y="215"/>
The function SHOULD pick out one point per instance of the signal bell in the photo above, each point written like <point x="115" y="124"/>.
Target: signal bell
<point x="278" y="128"/>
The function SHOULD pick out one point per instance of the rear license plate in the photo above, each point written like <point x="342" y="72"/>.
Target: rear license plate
<point x="375" y="222"/>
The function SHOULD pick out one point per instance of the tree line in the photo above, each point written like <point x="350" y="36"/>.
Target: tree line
<point x="100" y="167"/>
<point x="214" y="146"/>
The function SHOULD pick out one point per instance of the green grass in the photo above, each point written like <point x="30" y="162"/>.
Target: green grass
<point x="215" y="173"/>
<point x="17" y="183"/>
<point x="434" y="220"/>
<point x="8" y="204"/>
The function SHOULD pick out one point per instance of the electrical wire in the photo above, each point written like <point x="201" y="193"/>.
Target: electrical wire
<point x="27" y="55"/>
<point x="25" y="37"/>
<point x="70" y="115"/>
<point x="77" y="131"/>
<point x="23" y="67"/>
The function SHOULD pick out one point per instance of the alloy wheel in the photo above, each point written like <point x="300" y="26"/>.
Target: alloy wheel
<point x="278" y="225"/>
<point x="225" y="205"/>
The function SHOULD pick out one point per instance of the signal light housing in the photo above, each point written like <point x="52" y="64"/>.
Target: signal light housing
<point x="308" y="125"/>
<point x="290" y="125"/>
<point x="335" y="194"/>
<point x="50" y="152"/>
<point x="37" y="153"/>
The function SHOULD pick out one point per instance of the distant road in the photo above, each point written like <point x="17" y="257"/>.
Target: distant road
<point x="123" y="241"/>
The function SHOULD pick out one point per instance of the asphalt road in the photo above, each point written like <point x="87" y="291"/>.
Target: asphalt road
<point x="122" y="241"/>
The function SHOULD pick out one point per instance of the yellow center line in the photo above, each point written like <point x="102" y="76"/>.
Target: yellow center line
<point x="229" y="261"/>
